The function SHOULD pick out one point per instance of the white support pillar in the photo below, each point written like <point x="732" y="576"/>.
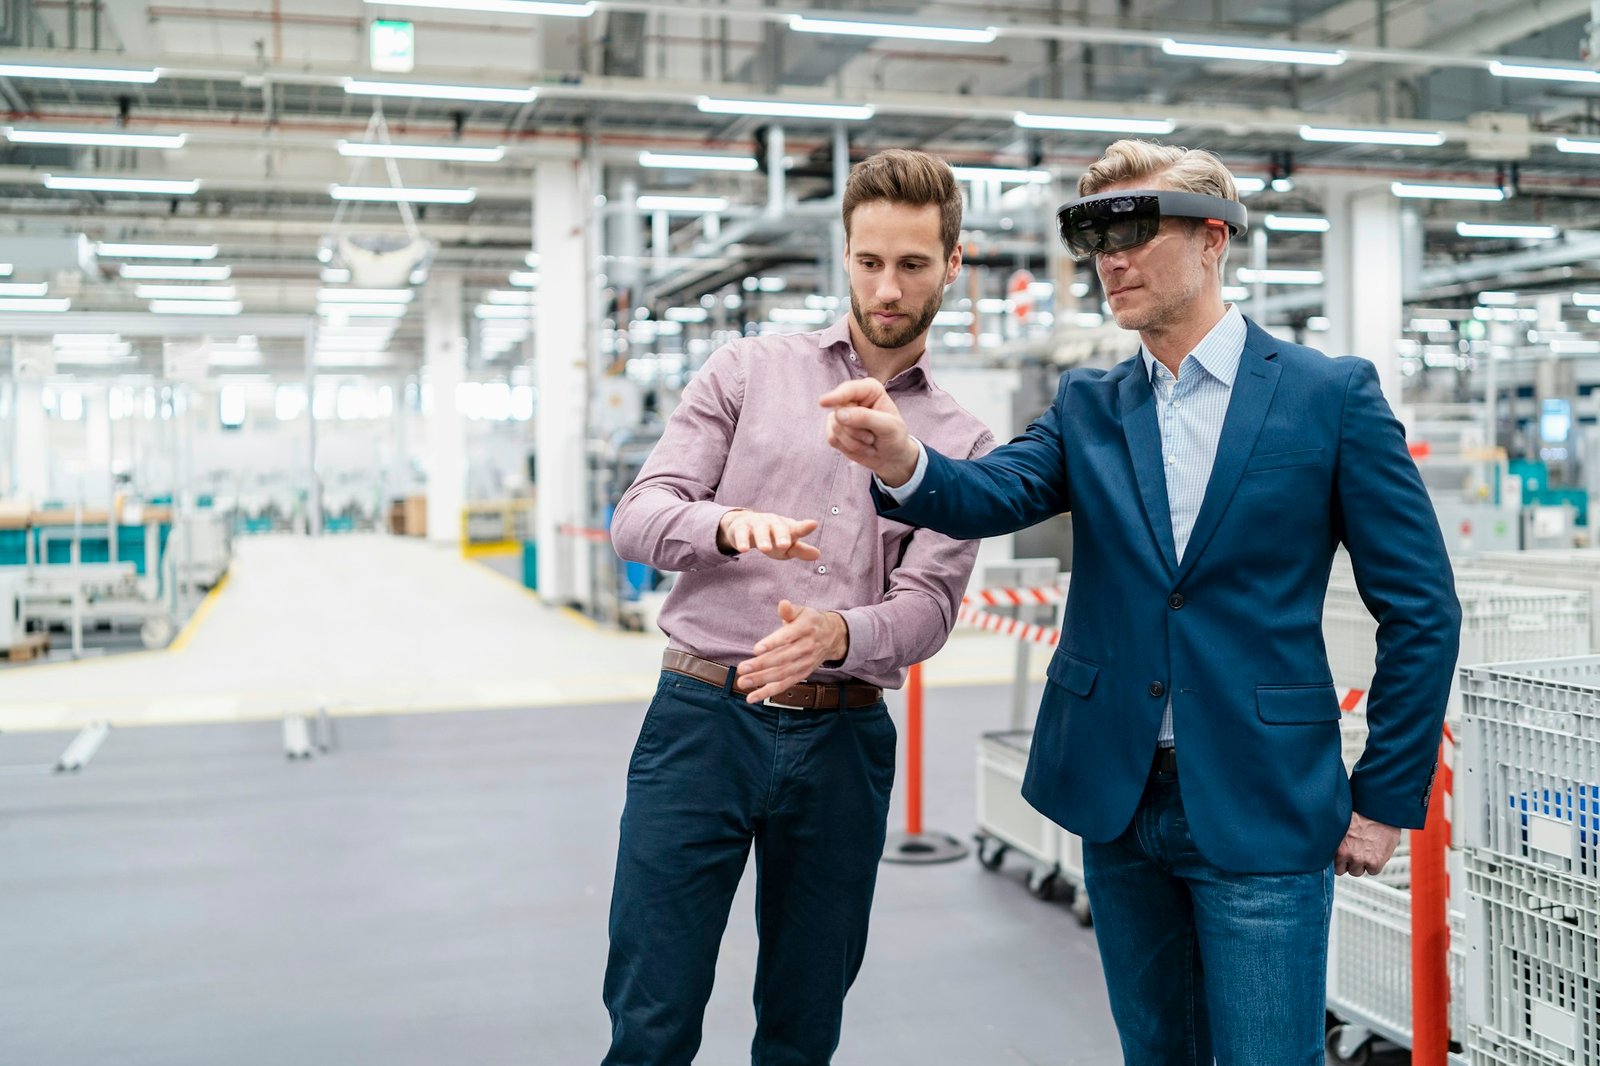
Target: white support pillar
<point x="97" y="445"/>
<point x="561" y="213"/>
<point x="1364" y="278"/>
<point x="30" y="472"/>
<point x="445" y="352"/>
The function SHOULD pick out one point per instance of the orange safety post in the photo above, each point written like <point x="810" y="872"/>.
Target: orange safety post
<point x="1430" y="930"/>
<point x="914" y="752"/>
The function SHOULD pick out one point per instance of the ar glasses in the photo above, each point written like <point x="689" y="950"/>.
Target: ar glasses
<point x="1115" y="222"/>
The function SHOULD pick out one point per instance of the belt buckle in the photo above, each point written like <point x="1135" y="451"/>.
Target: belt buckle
<point x="784" y="706"/>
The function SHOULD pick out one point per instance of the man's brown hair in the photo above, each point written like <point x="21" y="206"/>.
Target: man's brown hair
<point x="916" y="179"/>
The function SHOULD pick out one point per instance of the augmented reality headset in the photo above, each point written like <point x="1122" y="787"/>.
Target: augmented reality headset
<point x="1117" y="221"/>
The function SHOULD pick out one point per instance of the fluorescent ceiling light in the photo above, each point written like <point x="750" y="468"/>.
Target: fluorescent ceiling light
<point x="1497" y="299"/>
<point x="195" y="307"/>
<point x="1567" y="144"/>
<point x="389" y="195"/>
<point x="671" y="161"/>
<point x="1411" y="138"/>
<point x="151" y="272"/>
<point x="483" y="93"/>
<point x="532" y="260"/>
<point x="518" y="297"/>
<point x="117" y="74"/>
<point x="97" y="140"/>
<point x="1496" y="229"/>
<point x="6" y="269"/>
<point x="1586" y="299"/>
<point x="34" y="305"/>
<point x="903" y="30"/>
<point x="502" y="7"/>
<point x="527" y="279"/>
<point x="156" y="251"/>
<point x="184" y="292"/>
<point x="1575" y="347"/>
<point x="348" y="358"/>
<point x="1319" y="324"/>
<point x="1256" y="53"/>
<point x="785" y="109"/>
<point x="500" y="311"/>
<point x="1091" y="124"/>
<point x="443" y="152"/>
<point x="1486" y="193"/>
<point x="1431" y="325"/>
<point x="797" y="316"/>
<point x="687" y="314"/>
<point x="92" y="183"/>
<point x="1542" y="71"/>
<point x="1594" y="316"/>
<point x="1296" y="223"/>
<point x="1246" y="186"/>
<point x="688" y="204"/>
<point x="1233" y="293"/>
<point x="365" y="296"/>
<point x="334" y="275"/>
<point x="1280" y="277"/>
<point x="1002" y="174"/>
<point x="24" y="288"/>
<point x="372" y="310"/>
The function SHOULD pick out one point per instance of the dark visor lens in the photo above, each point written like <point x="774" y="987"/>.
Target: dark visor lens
<point x="1111" y="225"/>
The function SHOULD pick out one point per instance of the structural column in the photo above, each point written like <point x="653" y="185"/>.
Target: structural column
<point x="444" y="345"/>
<point x="561" y="215"/>
<point x="30" y="472"/>
<point x="1364" y="278"/>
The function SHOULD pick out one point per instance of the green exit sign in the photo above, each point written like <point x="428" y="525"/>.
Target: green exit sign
<point x="394" y="46"/>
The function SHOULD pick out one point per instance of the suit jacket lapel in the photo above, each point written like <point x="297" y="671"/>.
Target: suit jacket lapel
<point x="1253" y="388"/>
<point x="1137" y="401"/>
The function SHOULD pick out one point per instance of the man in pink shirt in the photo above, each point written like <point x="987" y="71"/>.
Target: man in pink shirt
<point x="795" y="607"/>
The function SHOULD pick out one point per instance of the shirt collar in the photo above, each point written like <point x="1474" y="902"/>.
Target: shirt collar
<point x="837" y="335"/>
<point x="1218" y="352"/>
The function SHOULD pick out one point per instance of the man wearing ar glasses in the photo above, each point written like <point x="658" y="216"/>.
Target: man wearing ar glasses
<point x="1189" y="731"/>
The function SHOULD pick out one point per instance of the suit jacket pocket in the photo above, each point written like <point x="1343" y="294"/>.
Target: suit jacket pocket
<point x="1075" y="675"/>
<point x="1279" y="460"/>
<point x="1297" y="704"/>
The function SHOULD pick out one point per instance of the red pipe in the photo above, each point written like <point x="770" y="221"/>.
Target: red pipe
<point x="914" y="752"/>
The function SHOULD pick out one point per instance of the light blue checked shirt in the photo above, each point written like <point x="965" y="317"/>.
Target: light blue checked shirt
<point x="1190" y="409"/>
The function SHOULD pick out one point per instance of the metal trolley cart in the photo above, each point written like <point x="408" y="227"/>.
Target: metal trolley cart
<point x="1006" y="823"/>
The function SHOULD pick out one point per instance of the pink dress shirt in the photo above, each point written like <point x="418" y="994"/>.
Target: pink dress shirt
<point x="749" y="433"/>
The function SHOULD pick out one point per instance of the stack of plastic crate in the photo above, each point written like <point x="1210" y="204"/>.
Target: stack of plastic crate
<point x="1557" y="569"/>
<point x="1528" y="797"/>
<point x="1369" y="956"/>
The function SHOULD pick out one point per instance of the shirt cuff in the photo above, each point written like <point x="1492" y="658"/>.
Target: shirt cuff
<point x="903" y="493"/>
<point x="863" y="640"/>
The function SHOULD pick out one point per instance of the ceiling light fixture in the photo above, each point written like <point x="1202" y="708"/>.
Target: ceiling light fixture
<point x="97" y="140"/>
<point x="1543" y="72"/>
<point x="1505" y="230"/>
<point x="365" y="296"/>
<point x="1246" y="186"/>
<point x="149" y="272"/>
<point x="1497" y="299"/>
<point x="156" y="251"/>
<point x="908" y="31"/>
<point x="368" y="310"/>
<point x="502" y="7"/>
<point x="390" y="195"/>
<point x="1249" y="276"/>
<point x="785" y="109"/>
<point x="501" y="311"/>
<point x="116" y="74"/>
<point x="1255" y="53"/>
<point x="1092" y="124"/>
<point x="53" y="305"/>
<point x="1567" y="144"/>
<point x="444" y="153"/>
<point x="94" y="183"/>
<point x="1002" y="174"/>
<point x="24" y="288"/>
<point x="527" y="279"/>
<point x="1485" y="193"/>
<point x="672" y="161"/>
<point x="695" y="205"/>
<point x="1408" y="138"/>
<point x="1296" y="223"/>
<point x="482" y="93"/>
<point x="184" y="292"/>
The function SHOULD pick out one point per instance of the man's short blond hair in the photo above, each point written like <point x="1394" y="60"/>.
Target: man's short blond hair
<point x="1180" y="169"/>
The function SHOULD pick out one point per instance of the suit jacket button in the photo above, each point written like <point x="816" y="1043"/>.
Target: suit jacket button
<point x="1157" y="688"/>
<point x="1175" y="600"/>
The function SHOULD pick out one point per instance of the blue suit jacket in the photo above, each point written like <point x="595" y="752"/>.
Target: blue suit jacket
<point x="1310" y="456"/>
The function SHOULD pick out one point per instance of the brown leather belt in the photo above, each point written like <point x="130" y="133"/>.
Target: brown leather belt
<point x="802" y="696"/>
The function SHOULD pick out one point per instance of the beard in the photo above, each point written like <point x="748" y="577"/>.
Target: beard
<point x="898" y="336"/>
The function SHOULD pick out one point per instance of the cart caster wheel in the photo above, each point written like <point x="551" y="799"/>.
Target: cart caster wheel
<point x="1080" y="909"/>
<point x="1358" y="1057"/>
<point x="991" y="853"/>
<point x="156" y="633"/>
<point x="1042" y="883"/>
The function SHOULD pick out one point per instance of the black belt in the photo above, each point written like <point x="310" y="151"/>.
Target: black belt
<point x="1165" y="761"/>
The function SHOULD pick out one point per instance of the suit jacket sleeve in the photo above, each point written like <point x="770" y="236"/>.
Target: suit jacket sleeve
<point x="1403" y="574"/>
<point x="1015" y="486"/>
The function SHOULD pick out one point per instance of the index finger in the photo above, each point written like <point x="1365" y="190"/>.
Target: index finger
<point x="863" y="392"/>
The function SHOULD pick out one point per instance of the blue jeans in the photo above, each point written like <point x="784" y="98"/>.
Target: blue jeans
<point x="711" y="775"/>
<point x="1202" y="964"/>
